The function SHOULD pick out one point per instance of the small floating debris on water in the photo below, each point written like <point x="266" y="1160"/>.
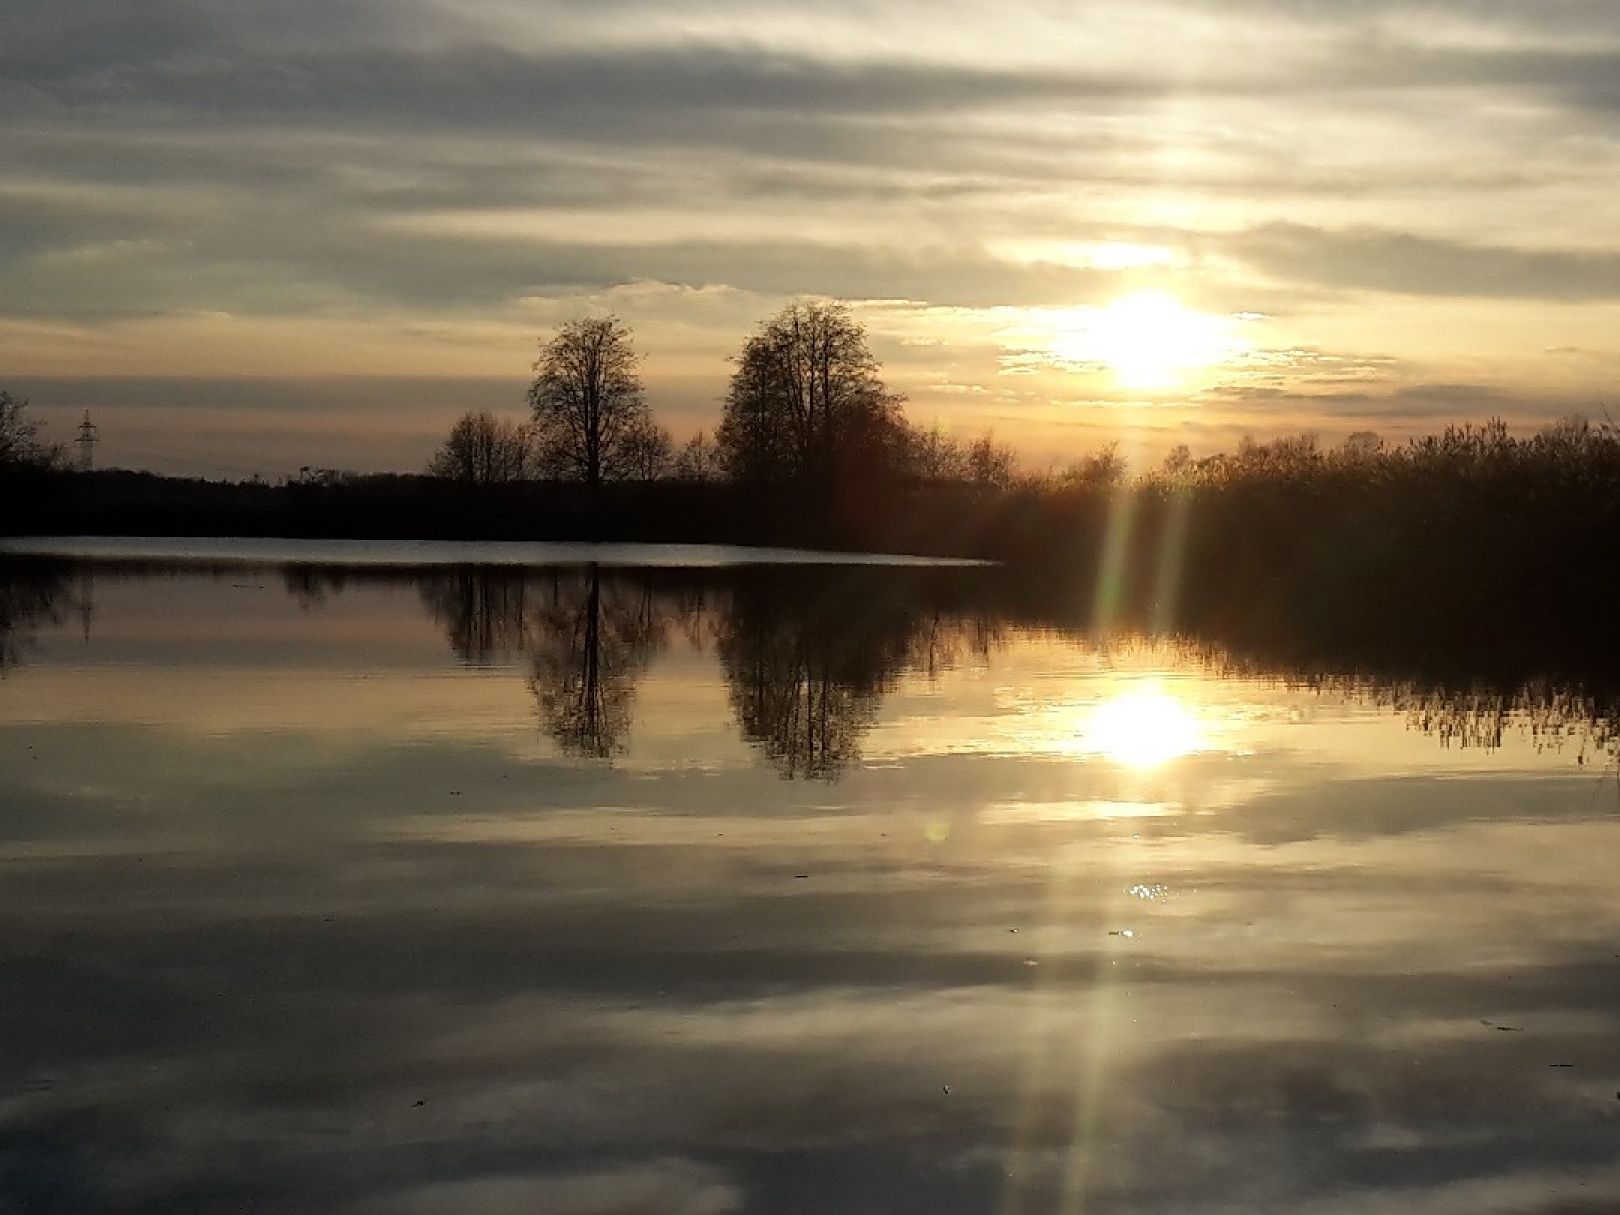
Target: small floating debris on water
<point x="1560" y="1065"/>
<point x="1148" y="892"/>
<point x="800" y="876"/>
<point x="418" y="1104"/>
<point x="1506" y="1029"/>
<point x="946" y="1088"/>
<point x="1121" y="932"/>
<point x="1031" y="962"/>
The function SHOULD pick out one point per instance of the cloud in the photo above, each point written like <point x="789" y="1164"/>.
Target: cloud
<point x="434" y="166"/>
<point x="1381" y="260"/>
<point x="674" y="1186"/>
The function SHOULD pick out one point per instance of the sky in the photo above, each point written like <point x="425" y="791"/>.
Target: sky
<point x="252" y="235"/>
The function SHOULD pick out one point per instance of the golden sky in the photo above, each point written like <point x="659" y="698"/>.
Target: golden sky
<point x="251" y="236"/>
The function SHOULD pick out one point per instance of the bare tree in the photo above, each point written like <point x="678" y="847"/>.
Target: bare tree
<point x="648" y="451"/>
<point x="697" y="460"/>
<point x="483" y="450"/>
<point x="933" y="455"/>
<point x="990" y="464"/>
<point x="806" y="402"/>
<point x="19" y="437"/>
<point x="589" y="413"/>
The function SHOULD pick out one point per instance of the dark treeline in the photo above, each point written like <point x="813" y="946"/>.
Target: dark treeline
<point x="1473" y="548"/>
<point x="1475" y="535"/>
<point x="809" y="653"/>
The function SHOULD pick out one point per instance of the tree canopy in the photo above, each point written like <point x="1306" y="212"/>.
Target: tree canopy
<point x="590" y="418"/>
<point x="806" y="403"/>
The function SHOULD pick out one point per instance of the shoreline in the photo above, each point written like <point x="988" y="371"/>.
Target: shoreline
<point x="293" y="550"/>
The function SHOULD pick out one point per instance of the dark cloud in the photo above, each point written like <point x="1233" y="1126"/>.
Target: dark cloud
<point x="663" y="93"/>
<point x="300" y="143"/>
<point x="1376" y="259"/>
<point x="1386" y="400"/>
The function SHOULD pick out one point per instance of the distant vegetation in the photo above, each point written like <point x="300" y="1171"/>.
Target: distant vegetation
<point x="1471" y="538"/>
<point x="1475" y="532"/>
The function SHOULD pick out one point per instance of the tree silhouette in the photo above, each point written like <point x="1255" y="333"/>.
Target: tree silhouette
<point x="591" y="422"/>
<point x="648" y="451"/>
<point x="697" y="460"/>
<point x="806" y="404"/>
<point x="483" y="450"/>
<point x="19" y="437"/>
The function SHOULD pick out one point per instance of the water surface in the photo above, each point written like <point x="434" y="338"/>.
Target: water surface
<point x="777" y="889"/>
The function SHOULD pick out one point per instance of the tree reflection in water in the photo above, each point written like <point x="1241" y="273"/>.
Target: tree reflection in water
<point x="809" y="653"/>
<point x="590" y="640"/>
<point x="32" y="594"/>
<point x="483" y="610"/>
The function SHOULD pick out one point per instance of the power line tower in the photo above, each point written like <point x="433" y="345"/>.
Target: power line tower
<point x="87" y="443"/>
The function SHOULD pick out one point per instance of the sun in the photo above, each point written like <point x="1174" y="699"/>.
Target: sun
<point x="1143" y="728"/>
<point x="1148" y="339"/>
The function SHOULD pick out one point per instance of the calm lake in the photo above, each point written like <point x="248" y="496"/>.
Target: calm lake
<point x="405" y="879"/>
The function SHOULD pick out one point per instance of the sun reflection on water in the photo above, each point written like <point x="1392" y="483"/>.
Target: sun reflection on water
<point x="1142" y="727"/>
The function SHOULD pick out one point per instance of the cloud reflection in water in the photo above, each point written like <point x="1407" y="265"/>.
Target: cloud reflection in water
<point x="307" y="907"/>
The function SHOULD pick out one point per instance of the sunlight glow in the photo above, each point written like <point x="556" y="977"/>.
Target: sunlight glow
<point x="1148" y="339"/>
<point x="1143" y="728"/>
<point x="1090" y="255"/>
